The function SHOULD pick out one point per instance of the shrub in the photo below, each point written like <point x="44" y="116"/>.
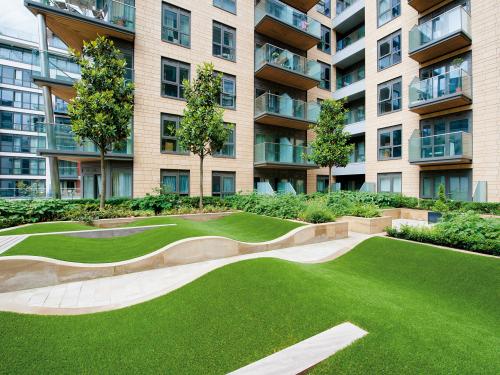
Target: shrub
<point x="316" y="213"/>
<point x="285" y="206"/>
<point x="365" y="210"/>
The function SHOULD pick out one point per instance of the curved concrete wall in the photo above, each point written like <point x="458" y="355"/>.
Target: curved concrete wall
<point x="25" y="272"/>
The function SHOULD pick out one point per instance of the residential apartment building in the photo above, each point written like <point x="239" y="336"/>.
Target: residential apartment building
<point x="416" y="76"/>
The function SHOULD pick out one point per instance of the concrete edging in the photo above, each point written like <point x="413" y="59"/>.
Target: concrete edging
<point x="367" y="225"/>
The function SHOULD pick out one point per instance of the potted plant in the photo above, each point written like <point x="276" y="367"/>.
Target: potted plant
<point x="439" y="207"/>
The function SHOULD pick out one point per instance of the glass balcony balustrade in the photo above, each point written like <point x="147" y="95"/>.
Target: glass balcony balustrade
<point x="285" y="106"/>
<point x="349" y="78"/>
<point x="342" y="5"/>
<point x="282" y="153"/>
<point x="351" y="38"/>
<point x="440" y="147"/>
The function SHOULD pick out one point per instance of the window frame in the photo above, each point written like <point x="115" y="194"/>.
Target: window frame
<point x="390" y="10"/>
<point x="390" y="130"/>
<point x="447" y="174"/>
<point x="179" y="12"/>
<point x="163" y="137"/>
<point x="178" y="65"/>
<point x="222" y="175"/>
<point x="177" y="173"/>
<point x="389" y="38"/>
<point x="224" y="28"/>
<point x="219" y="153"/>
<point x="325" y="66"/>
<point x="221" y="6"/>
<point x="229" y="78"/>
<point x="324" y="178"/>
<point x="325" y="30"/>
<point x="323" y="8"/>
<point x="390" y="84"/>
<point x="392" y="176"/>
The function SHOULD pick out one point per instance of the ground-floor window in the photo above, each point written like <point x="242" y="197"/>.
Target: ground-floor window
<point x="350" y="182"/>
<point x="92" y="186"/>
<point x="22" y="188"/>
<point x="223" y="184"/>
<point x="175" y="181"/>
<point x="121" y="183"/>
<point x="389" y="182"/>
<point x="322" y="183"/>
<point x="457" y="183"/>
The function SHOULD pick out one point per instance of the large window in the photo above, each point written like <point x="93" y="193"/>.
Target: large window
<point x="228" y="93"/>
<point x="324" y="7"/>
<point x="16" y="76"/>
<point x="389" y="143"/>
<point x="358" y="153"/>
<point x="389" y="50"/>
<point x="21" y="143"/>
<point x="389" y="96"/>
<point x="17" y="54"/>
<point x="174" y="72"/>
<point x="22" y="188"/>
<point x="176" y="27"/>
<point x="60" y="106"/>
<point x="169" y="126"/>
<point x="457" y="184"/>
<point x="223" y="184"/>
<point x="228" y="149"/>
<point x="325" y="44"/>
<point x="22" y="166"/>
<point x="21" y="99"/>
<point x="224" y="41"/>
<point x="121" y="182"/>
<point x="388" y="10"/>
<point x="389" y="182"/>
<point x="229" y="5"/>
<point x="21" y="121"/>
<point x="322" y="183"/>
<point x="175" y="181"/>
<point x="326" y="76"/>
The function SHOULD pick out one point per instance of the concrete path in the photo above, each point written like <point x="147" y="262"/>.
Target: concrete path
<point x="6" y="242"/>
<point x="111" y="293"/>
<point x="302" y="356"/>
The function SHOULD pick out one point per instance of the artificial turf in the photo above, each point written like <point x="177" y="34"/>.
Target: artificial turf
<point x="239" y="226"/>
<point x="427" y="311"/>
<point x="47" y="228"/>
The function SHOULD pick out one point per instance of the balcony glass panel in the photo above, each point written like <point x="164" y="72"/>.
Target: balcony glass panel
<point x="454" y="82"/>
<point x="355" y="115"/>
<point x="282" y="58"/>
<point x="342" y="5"/>
<point x="349" y="78"/>
<point x="288" y="15"/>
<point x="283" y="105"/>
<point x="351" y="38"/>
<point x="281" y="153"/>
<point x="437" y="147"/>
<point x="118" y="13"/>
<point x="440" y="27"/>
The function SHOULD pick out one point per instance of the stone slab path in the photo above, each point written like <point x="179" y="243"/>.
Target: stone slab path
<point x="6" y="242"/>
<point x="302" y="356"/>
<point x="110" y="293"/>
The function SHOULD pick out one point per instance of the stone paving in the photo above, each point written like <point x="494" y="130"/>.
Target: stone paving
<point x="111" y="293"/>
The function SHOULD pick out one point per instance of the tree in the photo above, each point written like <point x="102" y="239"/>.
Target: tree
<point x="331" y="147"/>
<point x="104" y="101"/>
<point x="202" y="130"/>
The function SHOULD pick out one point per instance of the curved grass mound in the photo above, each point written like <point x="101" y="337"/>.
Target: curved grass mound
<point x="239" y="226"/>
<point x="427" y="311"/>
<point x="47" y="228"/>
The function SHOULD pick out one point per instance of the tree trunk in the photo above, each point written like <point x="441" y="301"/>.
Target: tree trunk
<point x="201" y="183"/>
<point x="330" y="179"/>
<point x="103" y="181"/>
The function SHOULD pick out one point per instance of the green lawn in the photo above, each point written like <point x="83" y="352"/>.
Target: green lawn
<point x="47" y="228"/>
<point x="427" y="311"/>
<point x="239" y="226"/>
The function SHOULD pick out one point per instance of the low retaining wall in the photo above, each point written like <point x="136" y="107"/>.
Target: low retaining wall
<point x="370" y="225"/>
<point x="25" y="272"/>
<point x="405" y="213"/>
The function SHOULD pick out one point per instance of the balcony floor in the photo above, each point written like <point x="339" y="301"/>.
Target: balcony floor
<point x="82" y="156"/>
<point x="441" y="104"/>
<point x="279" y="165"/>
<point x="73" y="28"/>
<point x="423" y="5"/>
<point x="62" y="89"/>
<point x="286" y="77"/>
<point x="302" y="5"/>
<point x="441" y="47"/>
<point x="442" y="161"/>
<point x="283" y="121"/>
<point x="287" y="34"/>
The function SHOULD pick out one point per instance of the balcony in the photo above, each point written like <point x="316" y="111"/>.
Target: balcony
<point x="441" y="35"/>
<point x="278" y="155"/>
<point x="302" y="5"/>
<point x="442" y="92"/>
<point x="355" y="122"/>
<point x="350" y="169"/>
<point x="68" y="173"/>
<point x="279" y="65"/>
<point x="448" y="148"/>
<point x="423" y="5"/>
<point x="349" y="13"/>
<point x="282" y="110"/>
<point x="77" y="20"/>
<point x="286" y="24"/>
<point x="350" y="49"/>
<point x="61" y="143"/>
<point x="352" y="91"/>
<point x="48" y="71"/>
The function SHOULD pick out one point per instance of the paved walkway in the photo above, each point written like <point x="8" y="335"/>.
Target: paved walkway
<point x="111" y="293"/>
<point x="6" y="242"/>
<point x="302" y="356"/>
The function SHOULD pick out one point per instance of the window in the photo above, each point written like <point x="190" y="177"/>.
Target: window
<point x="223" y="41"/>
<point x="169" y="126"/>
<point x="324" y="7"/>
<point x="389" y="96"/>
<point x="223" y="184"/>
<point x="68" y="169"/>
<point x="21" y="143"/>
<point x="121" y="182"/>
<point x="17" y="54"/>
<point x="21" y="121"/>
<point x="175" y="181"/>
<point x="22" y="188"/>
<point x="176" y="27"/>
<point x="325" y="82"/>
<point x="229" y="5"/>
<point x="229" y="146"/>
<point x="389" y="182"/>
<point x="389" y="50"/>
<point x="16" y="76"/>
<point x="457" y="183"/>
<point x="389" y="143"/>
<point x="358" y="154"/>
<point x="21" y="99"/>
<point x="22" y="166"/>
<point x="60" y="106"/>
<point x="174" y="72"/>
<point x="388" y="10"/>
<point x="228" y="94"/>
<point x="322" y="183"/>
<point x="325" y="43"/>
